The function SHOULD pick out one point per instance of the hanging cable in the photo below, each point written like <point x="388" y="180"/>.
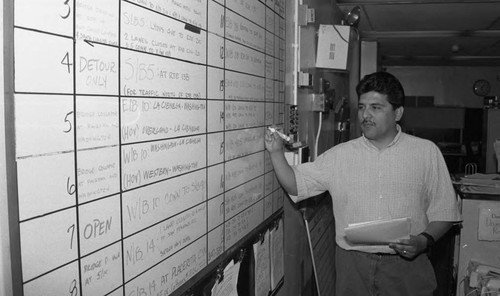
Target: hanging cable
<point x="317" y="135"/>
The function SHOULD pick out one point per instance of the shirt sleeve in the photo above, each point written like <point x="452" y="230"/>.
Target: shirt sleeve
<point x="443" y="200"/>
<point x="313" y="177"/>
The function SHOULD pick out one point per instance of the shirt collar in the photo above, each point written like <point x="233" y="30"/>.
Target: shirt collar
<point x="393" y="142"/>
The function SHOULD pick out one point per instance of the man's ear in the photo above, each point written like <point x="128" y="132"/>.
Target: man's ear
<point x="399" y="113"/>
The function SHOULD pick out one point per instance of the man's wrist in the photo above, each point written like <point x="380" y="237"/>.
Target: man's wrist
<point x="429" y="239"/>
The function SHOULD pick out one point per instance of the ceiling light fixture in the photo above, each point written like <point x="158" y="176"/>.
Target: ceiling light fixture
<point x="352" y="18"/>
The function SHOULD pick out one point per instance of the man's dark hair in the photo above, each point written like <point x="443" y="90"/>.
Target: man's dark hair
<point x="384" y="83"/>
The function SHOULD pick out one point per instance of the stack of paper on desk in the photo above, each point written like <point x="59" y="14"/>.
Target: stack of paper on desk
<point x="379" y="232"/>
<point x="480" y="184"/>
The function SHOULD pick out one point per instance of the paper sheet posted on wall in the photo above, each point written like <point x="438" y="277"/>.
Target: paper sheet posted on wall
<point x="227" y="286"/>
<point x="333" y="46"/>
<point x="378" y="232"/>
<point x="277" y="255"/>
<point x="262" y="257"/>
<point x="489" y="224"/>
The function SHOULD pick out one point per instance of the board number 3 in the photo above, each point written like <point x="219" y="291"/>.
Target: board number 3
<point x="67" y="12"/>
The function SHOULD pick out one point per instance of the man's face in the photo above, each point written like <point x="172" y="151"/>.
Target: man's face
<point x="378" y="118"/>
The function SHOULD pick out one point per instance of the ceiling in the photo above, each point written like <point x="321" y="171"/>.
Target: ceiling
<point x="430" y="33"/>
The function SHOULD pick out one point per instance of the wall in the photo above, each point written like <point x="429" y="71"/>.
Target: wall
<point x="5" y="271"/>
<point x="299" y="278"/>
<point x="326" y="12"/>
<point x="450" y="86"/>
<point x="301" y="55"/>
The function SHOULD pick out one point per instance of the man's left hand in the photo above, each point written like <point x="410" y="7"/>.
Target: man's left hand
<point x="410" y="248"/>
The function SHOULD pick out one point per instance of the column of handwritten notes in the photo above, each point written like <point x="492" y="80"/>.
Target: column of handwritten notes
<point x="98" y="151"/>
<point x="163" y="126"/>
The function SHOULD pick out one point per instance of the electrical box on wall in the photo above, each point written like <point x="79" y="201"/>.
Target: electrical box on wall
<point x="318" y="102"/>
<point x="305" y="15"/>
<point x="305" y="79"/>
<point x="333" y="46"/>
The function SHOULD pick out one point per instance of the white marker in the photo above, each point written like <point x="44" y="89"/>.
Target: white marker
<point x="282" y="135"/>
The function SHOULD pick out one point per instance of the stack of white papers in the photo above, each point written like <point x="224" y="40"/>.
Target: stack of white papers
<point x="481" y="184"/>
<point x="378" y="232"/>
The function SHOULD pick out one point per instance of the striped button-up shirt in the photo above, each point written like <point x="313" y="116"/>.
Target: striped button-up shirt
<point x="408" y="178"/>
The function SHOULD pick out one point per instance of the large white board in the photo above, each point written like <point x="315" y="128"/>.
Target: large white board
<point x="139" y="145"/>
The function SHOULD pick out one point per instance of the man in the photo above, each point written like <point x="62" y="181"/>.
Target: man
<point x="384" y="174"/>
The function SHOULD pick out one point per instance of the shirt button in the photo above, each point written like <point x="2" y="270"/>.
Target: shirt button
<point x="380" y="196"/>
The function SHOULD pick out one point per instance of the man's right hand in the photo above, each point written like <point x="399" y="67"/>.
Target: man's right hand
<point x="273" y="142"/>
<point x="284" y="173"/>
